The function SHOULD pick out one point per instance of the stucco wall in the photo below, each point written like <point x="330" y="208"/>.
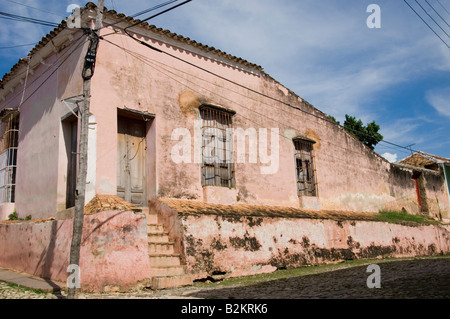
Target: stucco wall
<point x="238" y="246"/>
<point x="114" y="249"/>
<point x="349" y="175"/>
<point x="42" y="161"/>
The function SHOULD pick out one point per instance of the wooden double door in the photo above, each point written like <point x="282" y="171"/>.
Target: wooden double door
<point x="131" y="160"/>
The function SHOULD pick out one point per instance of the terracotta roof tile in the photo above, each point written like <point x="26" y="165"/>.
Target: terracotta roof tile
<point x="91" y="6"/>
<point x="189" y="207"/>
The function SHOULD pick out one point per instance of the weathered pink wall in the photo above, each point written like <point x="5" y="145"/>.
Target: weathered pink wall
<point x="241" y="246"/>
<point x="350" y="176"/>
<point x="42" y="161"/>
<point x="114" y="249"/>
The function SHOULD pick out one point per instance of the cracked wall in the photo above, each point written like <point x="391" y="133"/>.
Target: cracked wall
<point x="239" y="245"/>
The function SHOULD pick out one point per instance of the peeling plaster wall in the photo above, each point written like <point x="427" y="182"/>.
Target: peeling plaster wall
<point x="41" y="160"/>
<point x="350" y="176"/>
<point x="241" y="246"/>
<point x="114" y="251"/>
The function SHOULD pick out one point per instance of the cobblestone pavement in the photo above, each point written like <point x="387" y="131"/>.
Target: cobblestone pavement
<point x="422" y="278"/>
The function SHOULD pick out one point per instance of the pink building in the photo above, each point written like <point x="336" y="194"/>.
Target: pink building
<point x="182" y="129"/>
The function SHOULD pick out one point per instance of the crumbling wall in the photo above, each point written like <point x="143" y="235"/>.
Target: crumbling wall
<point x="114" y="251"/>
<point x="238" y="246"/>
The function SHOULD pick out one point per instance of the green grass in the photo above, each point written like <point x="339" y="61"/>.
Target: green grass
<point x="402" y="217"/>
<point x="25" y="289"/>
<point x="298" y="272"/>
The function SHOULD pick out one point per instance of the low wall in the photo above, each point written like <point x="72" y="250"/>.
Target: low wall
<point x="217" y="240"/>
<point x="114" y="249"/>
<point x="6" y="209"/>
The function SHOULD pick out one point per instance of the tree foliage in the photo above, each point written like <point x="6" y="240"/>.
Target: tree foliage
<point x="366" y="134"/>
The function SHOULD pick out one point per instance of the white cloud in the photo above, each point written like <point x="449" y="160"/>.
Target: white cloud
<point x="440" y="100"/>
<point x="390" y="157"/>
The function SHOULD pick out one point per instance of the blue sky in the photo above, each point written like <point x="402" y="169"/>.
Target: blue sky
<point x="397" y="75"/>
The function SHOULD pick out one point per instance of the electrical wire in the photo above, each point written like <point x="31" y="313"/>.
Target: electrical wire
<point x="431" y="18"/>
<point x="443" y="7"/>
<point x="259" y="93"/>
<point x="15" y="17"/>
<point x="17" y="46"/>
<point x="54" y="71"/>
<point x="55" y="63"/>
<point x="426" y="24"/>
<point x="142" y="12"/>
<point x="156" y="15"/>
<point x="437" y="13"/>
<point x="34" y="8"/>
<point x="194" y="87"/>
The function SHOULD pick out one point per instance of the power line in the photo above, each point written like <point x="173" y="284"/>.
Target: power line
<point x="34" y="8"/>
<point x="426" y="24"/>
<point x="18" y="46"/>
<point x="144" y="12"/>
<point x="431" y="17"/>
<point x="437" y="13"/>
<point x="156" y="15"/>
<point x="443" y="7"/>
<point x="11" y="98"/>
<point x="54" y="71"/>
<point x="145" y="58"/>
<point x="15" y="17"/>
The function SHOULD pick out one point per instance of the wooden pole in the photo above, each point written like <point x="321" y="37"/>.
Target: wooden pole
<point x="88" y="72"/>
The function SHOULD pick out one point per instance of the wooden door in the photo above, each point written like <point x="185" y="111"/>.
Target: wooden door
<point x="72" y="163"/>
<point x="131" y="149"/>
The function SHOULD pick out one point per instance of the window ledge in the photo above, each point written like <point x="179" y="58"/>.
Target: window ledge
<point x="220" y="195"/>
<point x="309" y="202"/>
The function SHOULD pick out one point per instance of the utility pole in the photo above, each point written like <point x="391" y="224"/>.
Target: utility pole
<point x="88" y="72"/>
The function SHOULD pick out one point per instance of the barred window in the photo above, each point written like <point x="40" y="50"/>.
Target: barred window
<point x="8" y="157"/>
<point x="217" y="147"/>
<point x="304" y="160"/>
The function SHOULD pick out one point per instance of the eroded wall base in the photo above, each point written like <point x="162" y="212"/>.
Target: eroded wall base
<point x="216" y="240"/>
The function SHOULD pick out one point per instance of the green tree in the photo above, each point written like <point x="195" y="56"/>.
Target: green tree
<point x="366" y="134"/>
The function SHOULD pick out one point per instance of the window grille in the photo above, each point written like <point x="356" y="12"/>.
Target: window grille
<point x="8" y="159"/>
<point x="217" y="148"/>
<point x="304" y="160"/>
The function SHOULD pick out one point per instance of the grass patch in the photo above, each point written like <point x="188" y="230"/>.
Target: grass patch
<point x="25" y="289"/>
<point x="302" y="271"/>
<point x="402" y="217"/>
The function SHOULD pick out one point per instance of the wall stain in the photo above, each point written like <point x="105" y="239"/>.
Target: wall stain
<point x="247" y="243"/>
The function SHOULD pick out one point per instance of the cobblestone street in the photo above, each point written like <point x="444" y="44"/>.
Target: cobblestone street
<point x="404" y="279"/>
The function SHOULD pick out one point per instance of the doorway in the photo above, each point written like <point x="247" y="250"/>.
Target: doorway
<point x="70" y="127"/>
<point x="131" y="160"/>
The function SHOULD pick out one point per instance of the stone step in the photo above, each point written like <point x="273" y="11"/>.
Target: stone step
<point x="161" y="248"/>
<point x="164" y="260"/>
<point x="168" y="271"/>
<point x="152" y="219"/>
<point x="171" y="281"/>
<point x="155" y="228"/>
<point x="158" y="237"/>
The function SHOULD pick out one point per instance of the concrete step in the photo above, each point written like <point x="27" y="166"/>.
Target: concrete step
<point x="168" y="271"/>
<point x="152" y="219"/>
<point x="155" y="228"/>
<point x="171" y="281"/>
<point x="158" y="237"/>
<point x="164" y="260"/>
<point x="161" y="248"/>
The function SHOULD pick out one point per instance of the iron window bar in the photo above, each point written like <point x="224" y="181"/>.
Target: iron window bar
<point x="217" y="147"/>
<point x="305" y="170"/>
<point x="8" y="158"/>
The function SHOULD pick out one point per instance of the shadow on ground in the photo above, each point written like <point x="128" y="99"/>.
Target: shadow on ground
<point x="421" y="279"/>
